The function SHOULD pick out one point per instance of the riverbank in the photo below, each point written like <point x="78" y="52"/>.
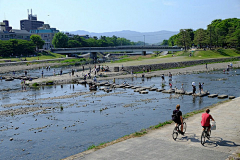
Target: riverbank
<point x="68" y="78"/>
<point x="158" y="144"/>
<point x="27" y="65"/>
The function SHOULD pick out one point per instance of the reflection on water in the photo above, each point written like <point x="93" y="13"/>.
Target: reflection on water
<point x="66" y="122"/>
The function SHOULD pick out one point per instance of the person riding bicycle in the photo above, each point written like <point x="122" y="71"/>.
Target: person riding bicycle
<point x="178" y="118"/>
<point x="206" y="117"/>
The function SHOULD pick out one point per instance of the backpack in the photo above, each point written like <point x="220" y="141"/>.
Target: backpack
<point x="175" y="116"/>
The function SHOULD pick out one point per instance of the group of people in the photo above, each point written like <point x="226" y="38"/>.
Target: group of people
<point x="205" y="122"/>
<point x="200" y="86"/>
<point x="148" y="69"/>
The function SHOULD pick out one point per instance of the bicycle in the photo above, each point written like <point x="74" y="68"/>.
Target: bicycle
<point x="177" y="130"/>
<point x="205" y="134"/>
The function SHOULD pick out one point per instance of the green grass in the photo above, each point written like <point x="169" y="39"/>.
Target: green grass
<point x="74" y="60"/>
<point x="127" y="58"/>
<point x="216" y="53"/>
<point x="91" y="147"/>
<point x="40" y="56"/>
<point x="35" y="84"/>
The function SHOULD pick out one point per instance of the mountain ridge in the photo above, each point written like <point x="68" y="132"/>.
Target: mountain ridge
<point x="135" y="36"/>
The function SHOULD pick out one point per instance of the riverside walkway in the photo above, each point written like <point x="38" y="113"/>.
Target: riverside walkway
<point x="158" y="144"/>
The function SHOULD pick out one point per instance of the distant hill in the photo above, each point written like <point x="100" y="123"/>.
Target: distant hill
<point x="150" y="37"/>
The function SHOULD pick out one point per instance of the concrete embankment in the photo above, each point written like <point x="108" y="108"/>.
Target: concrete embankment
<point x="163" y="66"/>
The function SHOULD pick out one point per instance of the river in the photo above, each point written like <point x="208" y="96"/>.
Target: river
<point x="68" y="118"/>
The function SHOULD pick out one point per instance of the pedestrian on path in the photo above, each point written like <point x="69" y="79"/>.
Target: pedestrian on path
<point x="170" y="85"/>
<point x="200" y="87"/>
<point x="182" y="87"/>
<point x="194" y="88"/>
<point x="163" y="79"/>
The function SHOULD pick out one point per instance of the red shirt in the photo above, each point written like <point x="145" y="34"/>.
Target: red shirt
<point x="206" y="119"/>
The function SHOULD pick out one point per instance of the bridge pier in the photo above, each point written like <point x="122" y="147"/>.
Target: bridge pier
<point x="93" y="55"/>
<point x="144" y="53"/>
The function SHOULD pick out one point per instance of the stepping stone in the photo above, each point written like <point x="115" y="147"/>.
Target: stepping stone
<point x="222" y="96"/>
<point x="134" y="87"/>
<point x="82" y="82"/>
<point x="139" y="89"/>
<point x="143" y="92"/>
<point x="188" y="93"/>
<point x="178" y="91"/>
<point x="160" y="90"/>
<point x="152" y="89"/>
<point x="107" y="90"/>
<point x="168" y="91"/>
<point x="147" y="87"/>
<point x="212" y="95"/>
<point x="231" y="97"/>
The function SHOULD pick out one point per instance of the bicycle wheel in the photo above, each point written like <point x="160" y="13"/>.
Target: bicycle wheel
<point x="174" y="135"/>
<point x="184" y="127"/>
<point x="203" y="136"/>
<point x="209" y="134"/>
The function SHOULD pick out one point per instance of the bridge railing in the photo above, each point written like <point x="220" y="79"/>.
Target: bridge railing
<point x="114" y="48"/>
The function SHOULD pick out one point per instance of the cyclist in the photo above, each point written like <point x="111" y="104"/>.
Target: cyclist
<point x="179" y="119"/>
<point x="206" y="120"/>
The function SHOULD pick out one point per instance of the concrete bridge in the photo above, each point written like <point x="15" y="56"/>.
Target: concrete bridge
<point x="94" y="50"/>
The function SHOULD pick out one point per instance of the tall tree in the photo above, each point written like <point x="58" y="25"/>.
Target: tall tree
<point x="73" y="44"/>
<point x="184" y="39"/>
<point x="37" y="40"/>
<point x="60" y="40"/>
<point x="200" y="37"/>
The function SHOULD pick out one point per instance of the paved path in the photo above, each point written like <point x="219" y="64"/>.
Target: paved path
<point x="158" y="144"/>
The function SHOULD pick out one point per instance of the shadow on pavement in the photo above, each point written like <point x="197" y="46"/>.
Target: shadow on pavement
<point x="210" y="143"/>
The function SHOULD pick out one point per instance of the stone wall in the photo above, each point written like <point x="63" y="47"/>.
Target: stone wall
<point x="162" y="66"/>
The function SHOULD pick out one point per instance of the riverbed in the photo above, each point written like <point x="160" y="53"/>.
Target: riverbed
<point x="54" y="122"/>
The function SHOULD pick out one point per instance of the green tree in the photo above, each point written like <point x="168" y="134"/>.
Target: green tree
<point x="73" y="44"/>
<point x="37" y="40"/>
<point x="184" y="38"/>
<point x="60" y="40"/>
<point x="6" y="48"/>
<point x="165" y="42"/>
<point x="200" y="37"/>
<point x="173" y="40"/>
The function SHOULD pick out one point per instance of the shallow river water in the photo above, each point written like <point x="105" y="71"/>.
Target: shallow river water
<point x="68" y="118"/>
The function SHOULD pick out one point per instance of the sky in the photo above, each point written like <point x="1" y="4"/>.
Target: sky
<point x="117" y="15"/>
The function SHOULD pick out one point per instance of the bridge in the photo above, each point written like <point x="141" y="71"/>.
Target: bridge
<point x="93" y="50"/>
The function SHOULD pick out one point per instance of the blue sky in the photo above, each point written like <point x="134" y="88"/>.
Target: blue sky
<point x="116" y="15"/>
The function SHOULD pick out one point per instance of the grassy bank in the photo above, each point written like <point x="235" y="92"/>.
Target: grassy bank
<point x="205" y="54"/>
<point x="39" y="56"/>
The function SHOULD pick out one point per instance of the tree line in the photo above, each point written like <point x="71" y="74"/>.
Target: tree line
<point x="20" y="48"/>
<point x="60" y="40"/>
<point x="16" y="47"/>
<point x="220" y="33"/>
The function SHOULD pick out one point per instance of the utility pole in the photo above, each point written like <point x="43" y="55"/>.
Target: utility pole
<point x="144" y="39"/>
